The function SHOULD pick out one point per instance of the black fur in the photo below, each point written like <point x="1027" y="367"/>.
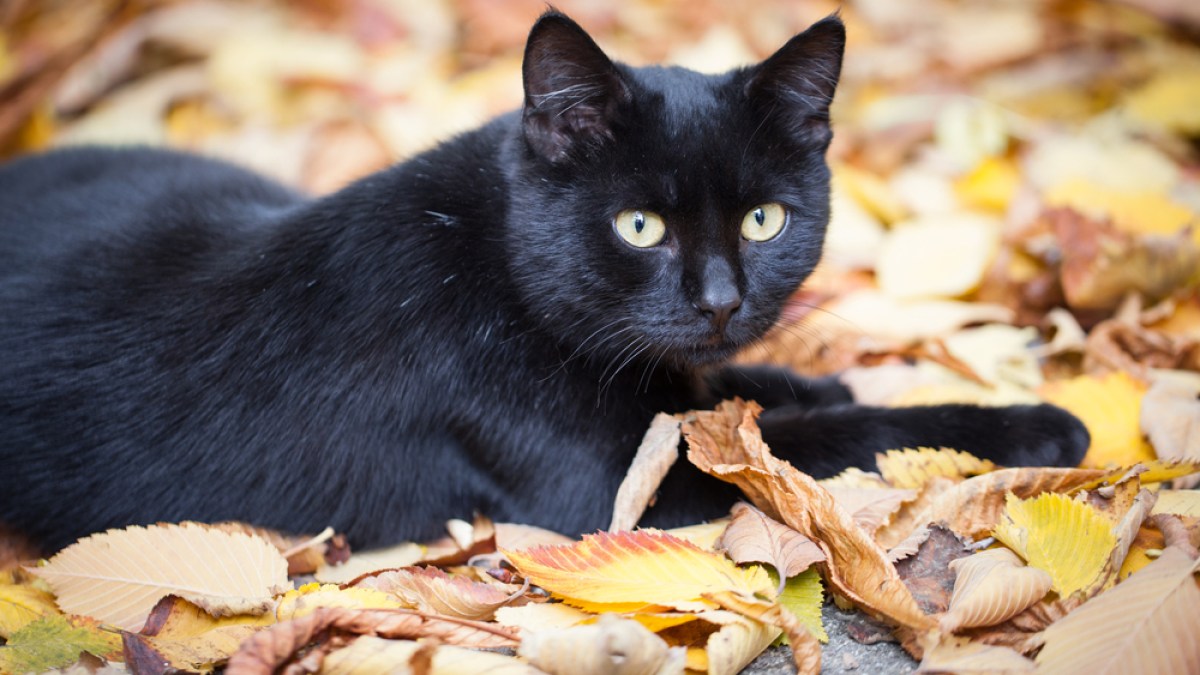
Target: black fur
<point x="181" y="339"/>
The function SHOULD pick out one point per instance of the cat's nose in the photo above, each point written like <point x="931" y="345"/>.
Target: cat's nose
<point x="718" y="303"/>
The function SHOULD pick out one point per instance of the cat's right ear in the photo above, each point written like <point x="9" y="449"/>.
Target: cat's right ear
<point x="573" y="92"/>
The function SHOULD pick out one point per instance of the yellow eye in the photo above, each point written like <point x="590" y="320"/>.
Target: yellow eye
<point x="763" y="222"/>
<point x="640" y="228"/>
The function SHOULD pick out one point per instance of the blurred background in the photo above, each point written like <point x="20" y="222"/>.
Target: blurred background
<point x="1014" y="179"/>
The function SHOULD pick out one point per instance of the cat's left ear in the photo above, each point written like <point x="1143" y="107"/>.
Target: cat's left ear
<point x="573" y="92"/>
<point x="797" y="82"/>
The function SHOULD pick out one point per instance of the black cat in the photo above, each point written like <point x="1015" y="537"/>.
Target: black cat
<point x="487" y="327"/>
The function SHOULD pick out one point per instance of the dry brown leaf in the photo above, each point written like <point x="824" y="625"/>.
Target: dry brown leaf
<point x="910" y="545"/>
<point x="655" y="457"/>
<point x="990" y="587"/>
<point x="928" y="574"/>
<point x="904" y="523"/>
<point x="370" y="654"/>
<point x="963" y="658"/>
<point x="806" y="649"/>
<point x="271" y="648"/>
<point x="119" y="576"/>
<point x="752" y="536"/>
<point x="432" y="591"/>
<point x="1101" y="265"/>
<point x="1120" y="345"/>
<point x="871" y="508"/>
<point x="727" y="444"/>
<point x="611" y="645"/>
<point x="1147" y="623"/>
<point x="1178" y="533"/>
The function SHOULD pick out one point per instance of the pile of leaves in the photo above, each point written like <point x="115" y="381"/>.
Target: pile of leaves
<point x="972" y="566"/>
<point x="1016" y="191"/>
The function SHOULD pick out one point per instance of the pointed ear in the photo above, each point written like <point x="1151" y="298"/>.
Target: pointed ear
<point x="572" y="90"/>
<point x="798" y="81"/>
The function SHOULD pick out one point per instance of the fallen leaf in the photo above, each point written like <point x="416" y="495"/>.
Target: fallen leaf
<point x="806" y="650"/>
<point x="310" y="597"/>
<point x="1118" y="345"/>
<point x="516" y="537"/>
<point x="734" y="645"/>
<point x="1170" y="418"/>
<point x="1110" y="407"/>
<point x="466" y="541"/>
<point x="704" y="535"/>
<point x="964" y="658"/>
<point x="942" y="256"/>
<point x="432" y="591"/>
<point x="1181" y="502"/>
<point x="752" y="536"/>
<point x="929" y="574"/>
<point x="644" y="566"/>
<point x="1065" y="537"/>
<point x="912" y="517"/>
<point x="22" y="604"/>
<point x="223" y="573"/>
<point x="655" y="457"/>
<point x="270" y="648"/>
<point x="55" y="641"/>
<point x="611" y="645"/>
<point x="1144" y="624"/>
<point x="909" y="468"/>
<point x="990" y="587"/>
<point x="366" y="562"/>
<point x="871" y="508"/>
<point x="370" y="654"/>
<point x="803" y="596"/>
<point x="727" y="444"/>
<point x="190" y="639"/>
<point x="541" y="616"/>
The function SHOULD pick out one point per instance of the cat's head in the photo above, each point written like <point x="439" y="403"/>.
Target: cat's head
<point x="658" y="213"/>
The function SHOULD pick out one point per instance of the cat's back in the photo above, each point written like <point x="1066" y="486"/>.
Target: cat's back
<point x="58" y="202"/>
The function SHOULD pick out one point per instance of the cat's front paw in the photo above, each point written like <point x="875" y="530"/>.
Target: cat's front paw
<point x="1043" y="435"/>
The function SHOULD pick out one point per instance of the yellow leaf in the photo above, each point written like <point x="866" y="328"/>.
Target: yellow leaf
<point x="871" y="192"/>
<point x="1066" y="538"/>
<point x="1145" y="624"/>
<point x="991" y="587"/>
<point x="306" y="599"/>
<point x="912" y="469"/>
<point x="118" y="576"/>
<point x="704" y="535"/>
<point x="55" y="641"/>
<point x="192" y="640"/>
<point x="1169" y="101"/>
<point x="990" y="185"/>
<point x="738" y="642"/>
<point x="22" y="604"/>
<point x="644" y="566"/>
<point x="803" y="596"/>
<point x="1135" y="212"/>
<point x="854" y="477"/>
<point x="1110" y="408"/>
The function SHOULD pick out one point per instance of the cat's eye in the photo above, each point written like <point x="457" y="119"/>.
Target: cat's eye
<point x="764" y="222"/>
<point x="642" y="229"/>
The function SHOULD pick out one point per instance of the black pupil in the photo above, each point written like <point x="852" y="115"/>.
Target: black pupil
<point x="759" y="216"/>
<point x="639" y="222"/>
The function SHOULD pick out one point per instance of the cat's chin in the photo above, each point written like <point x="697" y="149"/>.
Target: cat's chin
<point x="704" y="354"/>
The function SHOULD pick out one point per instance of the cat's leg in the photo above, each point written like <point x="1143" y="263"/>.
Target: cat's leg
<point x="773" y="387"/>
<point x="823" y="441"/>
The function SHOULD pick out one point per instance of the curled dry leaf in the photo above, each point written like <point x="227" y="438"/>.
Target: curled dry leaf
<point x="1121" y="345"/>
<point x="871" y="508"/>
<point x="752" y="536"/>
<point x="973" y="507"/>
<point x="1145" y="624"/>
<point x="610" y="646"/>
<point x="1170" y="417"/>
<point x="909" y="468"/>
<point x="647" y="567"/>
<point x="432" y="591"/>
<point x="990" y="587"/>
<point x="269" y="649"/>
<point x="806" y="650"/>
<point x="370" y="654"/>
<point x="734" y="645"/>
<point x="727" y="444"/>
<point x="1101" y="264"/>
<point x="1178" y="534"/>
<point x="655" y="457"/>
<point x="224" y="573"/>
<point x="1067" y="538"/>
